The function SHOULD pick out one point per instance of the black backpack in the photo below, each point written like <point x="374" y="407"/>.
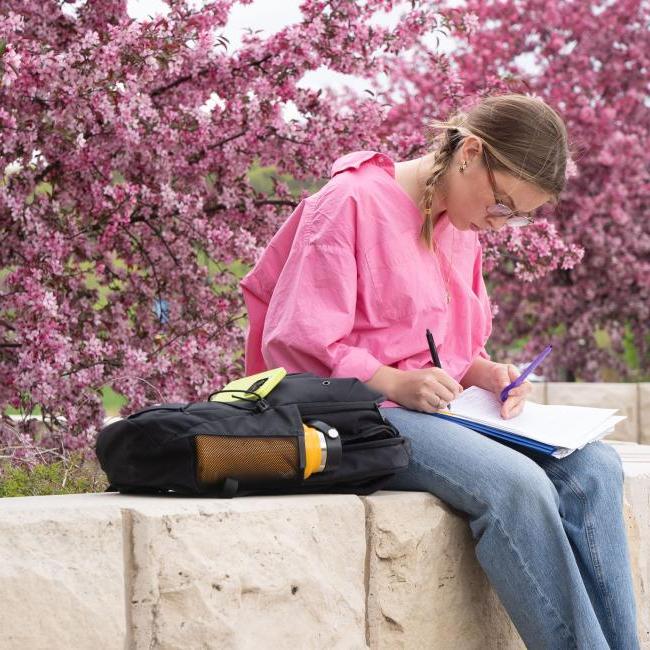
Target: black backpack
<point x="171" y="448"/>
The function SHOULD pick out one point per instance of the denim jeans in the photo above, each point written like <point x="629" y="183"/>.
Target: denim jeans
<point x="549" y="533"/>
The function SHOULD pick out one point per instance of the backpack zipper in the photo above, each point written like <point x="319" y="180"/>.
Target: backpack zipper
<point x="154" y="408"/>
<point x="322" y="407"/>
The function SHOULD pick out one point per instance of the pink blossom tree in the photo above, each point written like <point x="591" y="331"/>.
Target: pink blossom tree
<point x="126" y="199"/>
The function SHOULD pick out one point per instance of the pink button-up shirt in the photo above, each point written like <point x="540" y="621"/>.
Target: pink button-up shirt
<point x="345" y="286"/>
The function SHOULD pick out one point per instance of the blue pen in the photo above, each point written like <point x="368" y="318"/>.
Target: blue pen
<point x="522" y="377"/>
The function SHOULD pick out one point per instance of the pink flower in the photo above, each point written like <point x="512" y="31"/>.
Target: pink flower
<point x="470" y="22"/>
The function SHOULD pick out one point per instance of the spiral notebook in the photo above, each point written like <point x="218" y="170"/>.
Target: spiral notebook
<point x="557" y="430"/>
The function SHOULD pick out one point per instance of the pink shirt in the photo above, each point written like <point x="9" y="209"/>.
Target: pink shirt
<point x="345" y="286"/>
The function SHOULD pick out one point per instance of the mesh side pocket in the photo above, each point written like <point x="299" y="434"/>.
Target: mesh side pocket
<point x="220" y="457"/>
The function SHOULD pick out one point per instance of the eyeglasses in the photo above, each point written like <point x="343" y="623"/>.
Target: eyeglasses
<point x="514" y="218"/>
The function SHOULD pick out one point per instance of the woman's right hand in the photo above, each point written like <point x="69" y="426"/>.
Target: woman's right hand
<point x="427" y="389"/>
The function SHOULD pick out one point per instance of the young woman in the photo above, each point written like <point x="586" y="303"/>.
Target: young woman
<point x="347" y="288"/>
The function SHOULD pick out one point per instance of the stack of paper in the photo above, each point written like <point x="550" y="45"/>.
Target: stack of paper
<point x="553" y="429"/>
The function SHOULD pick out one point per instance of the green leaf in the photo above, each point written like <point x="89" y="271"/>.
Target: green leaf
<point x="117" y="177"/>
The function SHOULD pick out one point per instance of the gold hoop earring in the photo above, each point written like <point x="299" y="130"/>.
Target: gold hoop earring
<point x="461" y="168"/>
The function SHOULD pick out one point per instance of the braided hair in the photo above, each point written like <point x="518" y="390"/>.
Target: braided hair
<point x="449" y="142"/>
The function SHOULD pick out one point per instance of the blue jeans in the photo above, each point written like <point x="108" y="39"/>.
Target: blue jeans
<point x="549" y="532"/>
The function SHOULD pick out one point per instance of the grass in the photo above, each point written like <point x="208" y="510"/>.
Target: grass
<point x="70" y="476"/>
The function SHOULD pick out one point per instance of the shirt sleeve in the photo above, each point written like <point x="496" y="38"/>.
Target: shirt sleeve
<point x="312" y="312"/>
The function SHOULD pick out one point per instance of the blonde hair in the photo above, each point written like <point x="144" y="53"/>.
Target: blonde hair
<point x="521" y="135"/>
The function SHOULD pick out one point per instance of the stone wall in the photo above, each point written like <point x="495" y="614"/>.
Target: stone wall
<point x="391" y="570"/>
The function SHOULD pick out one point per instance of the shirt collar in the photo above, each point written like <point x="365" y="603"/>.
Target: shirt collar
<point x="354" y="159"/>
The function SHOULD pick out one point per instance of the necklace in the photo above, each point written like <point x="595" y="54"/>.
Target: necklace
<point x="449" y="265"/>
<point x="427" y="212"/>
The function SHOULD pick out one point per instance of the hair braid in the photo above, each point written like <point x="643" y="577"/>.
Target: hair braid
<point x="447" y="143"/>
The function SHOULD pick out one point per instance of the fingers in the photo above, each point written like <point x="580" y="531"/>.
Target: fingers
<point x="514" y="405"/>
<point x="502" y="375"/>
<point x="521" y="391"/>
<point x="444" y="394"/>
<point x="449" y="388"/>
<point x="436" y="403"/>
<point x="511" y="410"/>
<point x="513" y="372"/>
<point x="429" y="403"/>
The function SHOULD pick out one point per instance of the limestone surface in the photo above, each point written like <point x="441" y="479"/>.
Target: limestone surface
<point x="249" y="572"/>
<point x="644" y="413"/>
<point x="61" y="577"/>
<point x="427" y="590"/>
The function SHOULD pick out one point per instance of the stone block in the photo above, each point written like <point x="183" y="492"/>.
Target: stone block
<point x="636" y="461"/>
<point x="251" y="572"/>
<point x="539" y="392"/>
<point x="621" y="396"/>
<point x="61" y="580"/>
<point x="425" y="586"/>
<point x="644" y="413"/>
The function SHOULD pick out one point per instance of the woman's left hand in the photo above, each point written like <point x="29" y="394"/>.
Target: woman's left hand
<point x="502" y="375"/>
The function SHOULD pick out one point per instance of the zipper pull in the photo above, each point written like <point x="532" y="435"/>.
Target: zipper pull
<point x="262" y="405"/>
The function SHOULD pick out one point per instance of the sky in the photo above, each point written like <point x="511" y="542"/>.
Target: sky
<point x="271" y="17"/>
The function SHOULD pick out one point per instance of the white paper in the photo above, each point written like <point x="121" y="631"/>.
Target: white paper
<point x="570" y="427"/>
